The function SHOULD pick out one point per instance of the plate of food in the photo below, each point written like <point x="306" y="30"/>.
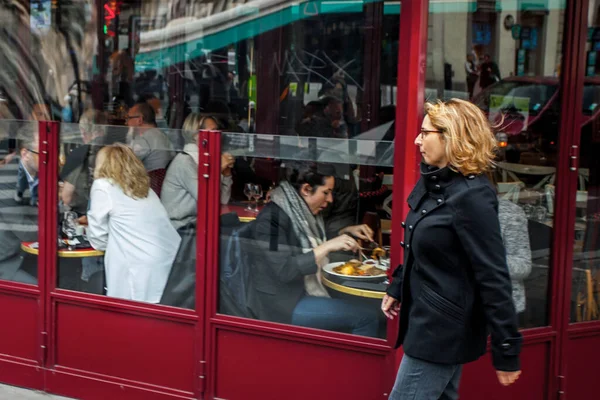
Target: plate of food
<point x="354" y="269"/>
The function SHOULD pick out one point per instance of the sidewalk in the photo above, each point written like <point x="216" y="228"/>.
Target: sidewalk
<point x="15" y="393"/>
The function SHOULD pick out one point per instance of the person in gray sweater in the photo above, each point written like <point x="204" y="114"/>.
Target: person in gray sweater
<point x="180" y="187"/>
<point x="515" y="235"/>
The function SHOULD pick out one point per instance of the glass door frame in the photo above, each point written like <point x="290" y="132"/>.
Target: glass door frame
<point x="68" y="380"/>
<point x="572" y="87"/>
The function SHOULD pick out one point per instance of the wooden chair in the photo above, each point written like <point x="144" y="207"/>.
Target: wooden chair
<point x="373" y="220"/>
<point x="585" y="301"/>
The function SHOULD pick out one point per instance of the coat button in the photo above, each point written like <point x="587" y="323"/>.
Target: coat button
<point x="506" y="346"/>
<point x="440" y="201"/>
<point x="407" y="246"/>
<point x="410" y="227"/>
<point x="402" y="244"/>
<point x="437" y="187"/>
<point x="471" y="177"/>
<point x="404" y="225"/>
<point x="434" y="178"/>
<point x="424" y="211"/>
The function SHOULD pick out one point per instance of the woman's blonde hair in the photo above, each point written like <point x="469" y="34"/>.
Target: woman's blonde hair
<point x="470" y="143"/>
<point x="118" y="163"/>
<point x="192" y="124"/>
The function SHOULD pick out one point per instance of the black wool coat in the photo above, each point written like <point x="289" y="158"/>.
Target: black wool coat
<point x="454" y="285"/>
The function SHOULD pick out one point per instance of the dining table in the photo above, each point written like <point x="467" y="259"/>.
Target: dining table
<point x="33" y="248"/>
<point x="241" y="209"/>
<point x="371" y="290"/>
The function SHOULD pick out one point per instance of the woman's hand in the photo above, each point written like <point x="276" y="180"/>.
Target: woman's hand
<point x="340" y="243"/>
<point x="343" y="243"/>
<point x="227" y="162"/>
<point x="359" y="231"/>
<point x="507" y="378"/>
<point x="390" y="306"/>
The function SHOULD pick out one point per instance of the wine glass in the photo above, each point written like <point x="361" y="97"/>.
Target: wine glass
<point x="248" y="193"/>
<point x="257" y="194"/>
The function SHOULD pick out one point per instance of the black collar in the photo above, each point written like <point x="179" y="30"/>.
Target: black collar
<point x="436" y="179"/>
<point x="433" y="180"/>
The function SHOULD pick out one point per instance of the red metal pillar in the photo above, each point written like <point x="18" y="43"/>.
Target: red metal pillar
<point x="49" y="138"/>
<point x="412" y="61"/>
<point x="207" y="256"/>
<point x="571" y="87"/>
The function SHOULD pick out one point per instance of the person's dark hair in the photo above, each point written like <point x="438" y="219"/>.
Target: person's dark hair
<point x="147" y="113"/>
<point x="312" y="108"/>
<point x="298" y="173"/>
<point x="328" y="100"/>
<point x="144" y="97"/>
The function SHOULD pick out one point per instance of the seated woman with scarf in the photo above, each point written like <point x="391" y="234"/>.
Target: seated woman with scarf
<point x="291" y="248"/>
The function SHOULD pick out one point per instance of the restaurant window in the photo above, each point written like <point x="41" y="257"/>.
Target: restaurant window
<point x="128" y="72"/>
<point x="505" y="57"/>
<point x="325" y="111"/>
<point x="306" y="242"/>
<point x="19" y="165"/>
<point x="127" y="209"/>
<point x="585" y="293"/>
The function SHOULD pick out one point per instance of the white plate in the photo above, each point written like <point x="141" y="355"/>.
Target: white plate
<point x="329" y="269"/>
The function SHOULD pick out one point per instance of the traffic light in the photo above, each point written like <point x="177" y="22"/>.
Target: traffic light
<point x="112" y="9"/>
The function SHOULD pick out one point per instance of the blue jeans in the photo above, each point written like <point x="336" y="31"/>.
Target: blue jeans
<point x="335" y="315"/>
<point x="423" y="380"/>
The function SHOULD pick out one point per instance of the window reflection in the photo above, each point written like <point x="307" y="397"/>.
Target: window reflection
<point x="18" y="210"/>
<point x="293" y="257"/>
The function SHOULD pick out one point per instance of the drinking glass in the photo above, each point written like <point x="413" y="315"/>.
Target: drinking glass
<point x="257" y="193"/>
<point x="248" y="193"/>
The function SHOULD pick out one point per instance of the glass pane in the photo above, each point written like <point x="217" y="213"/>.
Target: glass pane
<point x="19" y="165"/>
<point x="585" y="296"/>
<point x="293" y="211"/>
<point x="505" y="57"/>
<point x="117" y="237"/>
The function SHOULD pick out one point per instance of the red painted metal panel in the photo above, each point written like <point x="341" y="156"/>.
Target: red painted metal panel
<point x="135" y="348"/>
<point x="254" y="367"/>
<point x="20" y="337"/>
<point x="72" y="384"/>
<point x="22" y="373"/>
<point x="479" y="378"/>
<point x="582" y="360"/>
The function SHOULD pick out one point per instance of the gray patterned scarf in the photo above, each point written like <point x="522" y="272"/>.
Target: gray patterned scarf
<point x="309" y="228"/>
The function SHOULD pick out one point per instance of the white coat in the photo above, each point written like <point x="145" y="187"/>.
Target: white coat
<point x="138" y="238"/>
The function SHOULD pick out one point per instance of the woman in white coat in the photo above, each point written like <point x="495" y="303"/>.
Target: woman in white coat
<point x="128" y="221"/>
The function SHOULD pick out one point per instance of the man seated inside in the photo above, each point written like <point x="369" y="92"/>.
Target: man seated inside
<point x="77" y="173"/>
<point x="328" y="122"/>
<point x="39" y="112"/>
<point x="20" y="224"/>
<point x="149" y="143"/>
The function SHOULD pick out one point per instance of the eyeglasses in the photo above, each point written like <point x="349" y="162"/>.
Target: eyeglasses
<point x="33" y="151"/>
<point x="128" y="117"/>
<point x="424" y="132"/>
